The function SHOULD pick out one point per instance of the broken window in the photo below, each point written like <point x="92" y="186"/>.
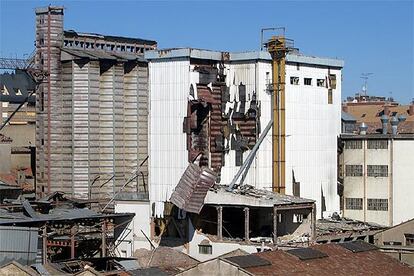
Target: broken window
<point x="332" y="81"/>
<point x="297" y="218"/>
<point x="353" y="144"/>
<point x="377" y="170"/>
<point x="294" y="80"/>
<point x="353" y="170"/>
<point x="377" y="144"/>
<point x="320" y="82"/>
<point x="307" y="81"/>
<point x="377" y="204"/>
<point x="409" y="239"/>
<point x="205" y="249"/>
<point x="353" y="203"/>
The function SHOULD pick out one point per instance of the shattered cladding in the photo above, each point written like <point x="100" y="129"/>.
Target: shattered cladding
<point x="193" y="186"/>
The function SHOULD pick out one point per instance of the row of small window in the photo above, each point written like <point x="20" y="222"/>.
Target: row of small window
<point x="329" y="82"/>
<point x="307" y="81"/>
<point x="372" y="170"/>
<point x="374" y="204"/>
<point x="372" y="144"/>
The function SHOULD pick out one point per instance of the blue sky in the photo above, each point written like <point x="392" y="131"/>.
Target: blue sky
<point x="371" y="36"/>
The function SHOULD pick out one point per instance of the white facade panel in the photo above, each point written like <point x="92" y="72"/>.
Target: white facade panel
<point x="312" y="128"/>
<point x="169" y="86"/>
<point x="403" y="181"/>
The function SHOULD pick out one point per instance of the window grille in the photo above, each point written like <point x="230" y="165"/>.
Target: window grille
<point x="205" y="249"/>
<point x="353" y="170"/>
<point x="353" y="203"/>
<point x="377" y="170"/>
<point x="377" y="144"/>
<point x="377" y="204"/>
<point x="353" y="144"/>
<point x="320" y="82"/>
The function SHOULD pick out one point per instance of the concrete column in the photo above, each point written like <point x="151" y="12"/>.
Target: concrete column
<point x="219" y="222"/>
<point x="313" y="222"/>
<point x="246" y="223"/>
<point x="275" y="218"/>
<point x="72" y="242"/>
<point x="44" y="249"/>
<point x="103" y="246"/>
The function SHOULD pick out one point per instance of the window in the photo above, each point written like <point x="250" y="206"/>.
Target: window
<point x="205" y="249"/>
<point x="377" y="144"/>
<point x="409" y="239"/>
<point x="392" y="243"/>
<point x="320" y="82"/>
<point x="297" y="218"/>
<point x="297" y="66"/>
<point x="377" y="204"/>
<point x="294" y="80"/>
<point x="377" y="170"/>
<point x="353" y="144"/>
<point x="332" y="81"/>
<point x="307" y="81"/>
<point x="353" y="170"/>
<point x="353" y="203"/>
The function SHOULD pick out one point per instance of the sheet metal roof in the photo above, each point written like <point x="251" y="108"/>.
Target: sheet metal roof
<point x="249" y="196"/>
<point x="340" y="261"/>
<point x="71" y="53"/>
<point x="252" y="55"/>
<point x="109" y="38"/>
<point x="248" y="261"/>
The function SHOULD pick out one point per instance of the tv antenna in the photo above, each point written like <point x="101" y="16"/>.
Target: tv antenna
<point x="365" y="77"/>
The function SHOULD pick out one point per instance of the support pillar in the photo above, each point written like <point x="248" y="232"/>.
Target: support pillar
<point x="313" y="225"/>
<point x="72" y="242"/>
<point x="44" y="249"/>
<point x="246" y="223"/>
<point x="219" y="222"/>
<point x="275" y="219"/>
<point x="103" y="246"/>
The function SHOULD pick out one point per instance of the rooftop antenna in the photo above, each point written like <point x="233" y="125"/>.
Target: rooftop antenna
<point x="365" y="76"/>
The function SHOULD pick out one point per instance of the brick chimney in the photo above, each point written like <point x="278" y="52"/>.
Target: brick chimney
<point x="411" y="109"/>
<point x="386" y="110"/>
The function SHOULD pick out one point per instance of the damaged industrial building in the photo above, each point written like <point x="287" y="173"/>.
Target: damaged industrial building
<point x="91" y="123"/>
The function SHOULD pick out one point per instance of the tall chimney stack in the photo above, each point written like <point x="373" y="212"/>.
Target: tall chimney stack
<point x="394" y="124"/>
<point x="363" y="129"/>
<point x="384" y="121"/>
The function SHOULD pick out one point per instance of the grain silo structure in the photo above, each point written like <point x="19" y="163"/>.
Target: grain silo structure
<point x="92" y="126"/>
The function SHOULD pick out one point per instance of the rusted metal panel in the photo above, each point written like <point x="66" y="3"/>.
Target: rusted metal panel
<point x="192" y="188"/>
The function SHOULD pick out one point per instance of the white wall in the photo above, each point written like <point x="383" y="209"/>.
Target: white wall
<point x="169" y="89"/>
<point x="141" y="221"/>
<point x="312" y="128"/>
<point x="218" y="248"/>
<point x="403" y="181"/>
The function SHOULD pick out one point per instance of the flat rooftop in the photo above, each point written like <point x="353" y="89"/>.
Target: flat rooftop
<point x="246" y="195"/>
<point x="294" y="57"/>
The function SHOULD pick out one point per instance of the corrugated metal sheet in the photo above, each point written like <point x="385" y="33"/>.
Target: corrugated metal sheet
<point x="192" y="188"/>
<point x="169" y="90"/>
<point x="18" y="244"/>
